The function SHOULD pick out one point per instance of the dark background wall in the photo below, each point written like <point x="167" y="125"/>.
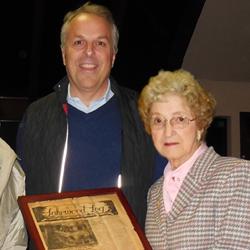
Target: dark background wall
<point x="154" y="35"/>
<point x="208" y="37"/>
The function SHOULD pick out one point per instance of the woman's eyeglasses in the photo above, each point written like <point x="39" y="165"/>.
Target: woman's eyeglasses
<point x="158" y="121"/>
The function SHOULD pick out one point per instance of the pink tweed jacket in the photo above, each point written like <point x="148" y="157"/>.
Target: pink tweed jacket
<point x="211" y="210"/>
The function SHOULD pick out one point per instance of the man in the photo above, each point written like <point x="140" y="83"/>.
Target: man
<point x="13" y="233"/>
<point x="87" y="134"/>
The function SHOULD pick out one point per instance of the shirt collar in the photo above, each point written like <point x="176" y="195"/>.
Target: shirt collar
<point x="78" y="104"/>
<point x="183" y="169"/>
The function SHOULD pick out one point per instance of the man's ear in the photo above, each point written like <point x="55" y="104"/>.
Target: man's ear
<point x="113" y="59"/>
<point x="63" y="56"/>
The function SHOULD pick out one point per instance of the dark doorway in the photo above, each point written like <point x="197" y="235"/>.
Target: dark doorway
<point x="245" y="135"/>
<point x="217" y="135"/>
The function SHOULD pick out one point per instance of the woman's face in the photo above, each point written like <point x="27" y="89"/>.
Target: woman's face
<point x="177" y="141"/>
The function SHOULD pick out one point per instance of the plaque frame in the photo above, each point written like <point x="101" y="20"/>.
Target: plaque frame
<point x="27" y="204"/>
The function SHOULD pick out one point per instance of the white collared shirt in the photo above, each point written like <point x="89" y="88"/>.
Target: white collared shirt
<point x="78" y="104"/>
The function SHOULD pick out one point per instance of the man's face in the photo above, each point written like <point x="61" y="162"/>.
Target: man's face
<point x="88" y="56"/>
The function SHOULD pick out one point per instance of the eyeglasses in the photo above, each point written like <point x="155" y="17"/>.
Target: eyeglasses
<point x="158" y="121"/>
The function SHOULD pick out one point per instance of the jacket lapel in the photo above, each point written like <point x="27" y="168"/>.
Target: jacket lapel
<point x="193" y="182"/>
<point x="159" y="212"/>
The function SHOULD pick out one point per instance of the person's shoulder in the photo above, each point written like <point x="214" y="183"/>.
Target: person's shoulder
<point x="6" y="150"/>
<point x="129" y="91"/>
<point x="6" y="157"/>
<point x="156" y="189"/>
<point x="41" y="108"/>
<point x="156" y="186"/>
<point x="122" y="90"/>
<point x="222" y="167"/>
<point x="232" y="161"/>
<point x="4" y="145"/>
<point x="233" y="166"/>
<point x="56" y="97"/>
<point x="43" y="102"/>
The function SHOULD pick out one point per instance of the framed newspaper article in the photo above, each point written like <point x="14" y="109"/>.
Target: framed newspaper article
<point x="96" y="219"/>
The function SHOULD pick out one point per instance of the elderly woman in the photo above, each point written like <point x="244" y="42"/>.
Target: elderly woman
<point x="202" y="201"/>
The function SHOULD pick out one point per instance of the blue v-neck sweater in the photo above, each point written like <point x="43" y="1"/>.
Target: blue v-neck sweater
<point x="94" y="148"/>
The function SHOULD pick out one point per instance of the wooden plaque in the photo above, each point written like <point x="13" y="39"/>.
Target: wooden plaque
<point x="96" y="219"/>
